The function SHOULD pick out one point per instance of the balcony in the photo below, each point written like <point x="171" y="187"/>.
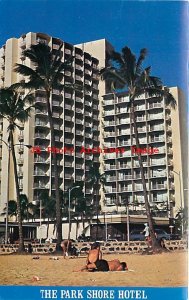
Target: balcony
<point x="170" y="162"/>
<point x="78" y="56"/>
<point x="87" y="124"/>
<point x="21" y="186"/>
<point x="40" y="173"/>
<point x="169" y="129"/>
<point x="79" y="143"/>
<point x="78" y="121"/>
<point x="159" y="186"/>
<point x="68" y="118"/>
<point x="88" y="114"/>
<point x="42" y="160"/>
<point x="140" y="107"/>
<point x="68" y="129"/>
<point x="155" y="105"/>
<point x="78" y="78"/>
<point x="79" y="99"/>
<point x="55" y="103"/>
<point x="110" y="167"/>
<point x="125" y="177"/>
<point x="111" y="123"/>
<point x="95" y="76"/>
<point x="110" y="145"/>
<point x="141" y="119"/>
<point x="87" y="61"/>
<point x="40" y="112"/>
<point x="124" y="143"/>
<point x="125" y="166"/>
<point x="20" y="149"/>
<point x="79" y="110"/>
<point x="68" y="141"/>
<point x="20" y="173"/>
<point x="168" y="118"/>
<point x="88" y="103"/>
<point x="56" y="92"/>
<point x="79" y="178"/>
<point x="157" y="139"/>
<point x="42" y="136"/>
<point x="172" y="186"/>
<point x="110" y="202"/>
<point x="158" y="162"/>
<point x="78" y="67"/>
<point x="38" y="185"/>
<point x="156" y="128"/>
<point x="170" y="151"/>
<point x="111" y="133"/>
<point x="125" y="189"/>
<point x="40" y="123"/>
<point x="79" y="166"/>
<point x="79" y="132"/>
<point x="68" y="96"/>
<point x="40" y="99"/>
<point x="20" y="161"/>
<point x="20" y="137"/>
<point x="169" y="140"/>
<point x="155" y="117"/>
<point x="112" y="190"/>
<point x="111" y="178"/>
<point x="55" y="115"/>
<point x="79" y="155"/>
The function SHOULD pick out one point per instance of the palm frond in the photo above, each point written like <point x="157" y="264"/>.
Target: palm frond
<point x="143" y="53"/>
<point x="130" y="61"/>
<point x="117" y="58"/>
<point x="169" y="98"/>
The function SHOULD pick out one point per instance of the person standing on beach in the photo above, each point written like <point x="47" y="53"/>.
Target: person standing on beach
<point x="66" y="246"/>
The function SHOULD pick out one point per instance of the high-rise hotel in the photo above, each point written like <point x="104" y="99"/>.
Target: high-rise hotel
<point x="76" y="123"/>
<point x="95" y="117"/>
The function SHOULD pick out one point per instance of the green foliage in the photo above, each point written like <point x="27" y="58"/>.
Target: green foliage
<point x="47" y="68"/>
<point x="14" y="107"/>
<point x="125" y="71"/>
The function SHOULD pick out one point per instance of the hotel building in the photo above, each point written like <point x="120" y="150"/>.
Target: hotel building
<point x="91" y="118"/>
<point x="76" y="123"/>
<point x="160" y="127"/>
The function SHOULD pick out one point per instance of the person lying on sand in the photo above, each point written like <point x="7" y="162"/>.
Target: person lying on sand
<point x="103" y="265"/>
<point x="93" y="256"/>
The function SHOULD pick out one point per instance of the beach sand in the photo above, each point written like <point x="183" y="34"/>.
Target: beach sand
<point x="160" y="270"/>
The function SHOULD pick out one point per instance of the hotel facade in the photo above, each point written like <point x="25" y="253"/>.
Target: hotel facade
<point x="91" y="118"/>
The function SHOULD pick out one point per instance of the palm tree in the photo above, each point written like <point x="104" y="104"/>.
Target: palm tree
<point x="14" y="107"/>
<point x="47" y="74"/>
<point x="126" y="72"/>
<point x="48" y="207"/>
<point x="96" y="178"/>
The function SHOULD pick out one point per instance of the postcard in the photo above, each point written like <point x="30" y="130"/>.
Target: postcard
<point x="93" y="150"/>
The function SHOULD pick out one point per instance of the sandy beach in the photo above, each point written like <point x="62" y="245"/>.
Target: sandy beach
<point x="167" y="269"/>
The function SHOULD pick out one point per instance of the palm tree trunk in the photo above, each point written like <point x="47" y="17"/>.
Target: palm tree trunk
<point x="21" y="248"/>
<point x="155" y="244"/>
<point x="57" y="195"/>
<point x="97" y="213"/>
<point x="47" y="227"/>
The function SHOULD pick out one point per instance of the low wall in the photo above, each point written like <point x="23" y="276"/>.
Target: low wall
<point x="130" y="247"/>
<point x="106" y="247"/>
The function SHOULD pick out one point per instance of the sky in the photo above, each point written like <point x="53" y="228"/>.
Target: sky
<point x="159" y="26"/>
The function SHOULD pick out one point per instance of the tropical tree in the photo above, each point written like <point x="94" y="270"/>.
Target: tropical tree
<point x="48" y="207"/>
<point x="46" y="73"/>
<point x="15" y="108"/>
<point x="96" y="178"/>
<point x="125" y="72"/>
